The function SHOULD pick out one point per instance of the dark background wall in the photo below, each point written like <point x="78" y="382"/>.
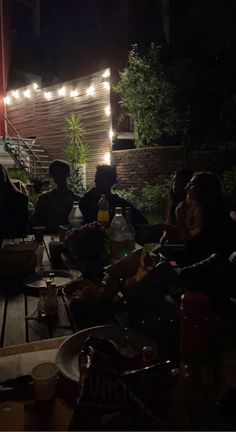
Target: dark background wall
<point x="154" y="165"/>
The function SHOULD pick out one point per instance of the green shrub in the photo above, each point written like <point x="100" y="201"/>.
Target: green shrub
<point x="154" y="198"/>
<point x="18" y="174"/>
<point x="151" y="199"/>
<point x="147" y="97"/>
<point x="228" y="181"/>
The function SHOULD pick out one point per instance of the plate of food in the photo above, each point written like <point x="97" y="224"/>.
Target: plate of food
<point x="129" y="343"/>
<point x="86" y="290"/>
<point x="61" y="278"/>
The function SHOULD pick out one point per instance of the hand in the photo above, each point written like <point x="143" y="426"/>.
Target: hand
<point x="181" y="212"/>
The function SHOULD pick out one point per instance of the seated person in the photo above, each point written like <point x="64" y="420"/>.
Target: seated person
<point x="231" y="204"/>
<point x="203" y="225"/>
<point x="214" y="276"/>
<point x="105" y="178"/>
<point x="52" y="208"/>
<point x="177" y="193"/>
<point x="154" y="233"/>
<point x="13" y="208"/>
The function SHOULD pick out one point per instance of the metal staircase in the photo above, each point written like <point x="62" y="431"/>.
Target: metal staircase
<point x="26" y="153"/>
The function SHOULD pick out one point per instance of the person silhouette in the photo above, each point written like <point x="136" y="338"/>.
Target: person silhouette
<point x="52" y="208"/>
<point x="105" y="178"/>
<point x="13" y="208"/>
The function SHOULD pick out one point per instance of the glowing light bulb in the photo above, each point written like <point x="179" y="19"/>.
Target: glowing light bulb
<point x="106" y="74"/>
<point x="74" y="93"/>
<point x="111" y="134"/>
<point x="90" y="90"/>
<point x="7" y="100"/>
<point x="107" y="110"/>
<point x="15" y="93"/>
<point x="62" y="91"/>
<point x="107" y="158"/>
<point x="27" y="94"/>
<point x="35" y="86"/>
<point x="106" y="85"/>
<point x="48" y="95"/>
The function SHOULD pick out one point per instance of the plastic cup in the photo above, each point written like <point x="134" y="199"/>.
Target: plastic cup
<point x="45" y="378"/>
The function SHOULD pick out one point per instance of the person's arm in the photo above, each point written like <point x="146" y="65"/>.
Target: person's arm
<point x="23" y="216"/>
<point x="39" y="215"/>
<point x="181" y="216"/>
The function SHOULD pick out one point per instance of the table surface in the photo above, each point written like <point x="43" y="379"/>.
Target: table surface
<point x="19" y="322"/>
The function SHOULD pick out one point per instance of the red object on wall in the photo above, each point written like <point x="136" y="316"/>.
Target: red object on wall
<point x="2" y="67"/>
<point x="5" y="44"/>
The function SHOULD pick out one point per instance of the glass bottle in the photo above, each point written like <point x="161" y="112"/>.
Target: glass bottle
<point x="117" y="235"/>
<point x="129" y="231"/>
<point x="103" y="211"/>
<point x="42" y="303"/>
<point x="75" y="218"/>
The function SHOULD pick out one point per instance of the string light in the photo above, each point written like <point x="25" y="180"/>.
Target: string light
<point x="15" y="93"/>
<point x="74" y="93"/>
<point x="62" y="91"/>
<point x="107" y="158"/>
<point x="106" y="85"/>
<point x="106" y="74"/>
<point x="107" y="110"/>
<point x="7" y="100"/>
<point x="90" y="90"/>
<point x="35" y="86"/>
<point x="27" y="94"/>
<point x="111" y="134"/>
<point x="48" y="95"/>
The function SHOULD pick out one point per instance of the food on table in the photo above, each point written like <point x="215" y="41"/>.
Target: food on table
<point x="146" y="265"/>
<point x="104" y="401"/>
<point x="122" y="358"/>
<point x="89" y="290"/>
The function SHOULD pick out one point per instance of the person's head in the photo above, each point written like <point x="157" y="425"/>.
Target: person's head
<point x="179" y="183"/>
<point x="105" y="178"/>
<point x="205" y="188"/>
<point x="59" y="171"/>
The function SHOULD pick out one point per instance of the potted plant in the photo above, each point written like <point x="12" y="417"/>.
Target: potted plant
<point x="77" y="153"/>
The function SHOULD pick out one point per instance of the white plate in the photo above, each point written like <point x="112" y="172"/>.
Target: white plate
<point x="61" y="278"/>
<point x="67" y="358"/>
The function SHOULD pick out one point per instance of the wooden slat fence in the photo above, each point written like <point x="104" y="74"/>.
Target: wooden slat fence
<point x="45" y="119"/>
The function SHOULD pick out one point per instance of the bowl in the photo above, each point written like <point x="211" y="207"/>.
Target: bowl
<point x="88" y="304"/>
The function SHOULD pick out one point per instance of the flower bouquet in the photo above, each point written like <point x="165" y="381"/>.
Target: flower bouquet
<point x="87" y="248"/>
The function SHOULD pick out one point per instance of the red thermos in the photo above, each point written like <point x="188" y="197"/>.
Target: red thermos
<point x="197" y="327"/>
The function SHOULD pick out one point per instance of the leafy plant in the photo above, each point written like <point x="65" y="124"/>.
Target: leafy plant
<point x="151" y="199"/>
<point x="147" y="97"/>
<point x="77" y="152"/>
<point x="18" y="174"/>
<point x="228" y="181"/>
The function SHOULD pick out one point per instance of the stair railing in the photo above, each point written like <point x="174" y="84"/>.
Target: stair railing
<point x="27" y="164"/>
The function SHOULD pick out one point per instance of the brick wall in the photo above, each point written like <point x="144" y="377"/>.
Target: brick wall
<point x="153" y="165"/>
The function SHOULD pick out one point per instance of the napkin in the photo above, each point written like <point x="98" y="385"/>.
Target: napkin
<point x="17" y="365"/>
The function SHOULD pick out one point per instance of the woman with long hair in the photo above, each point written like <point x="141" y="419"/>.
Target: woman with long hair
<point x="204" y="225"/>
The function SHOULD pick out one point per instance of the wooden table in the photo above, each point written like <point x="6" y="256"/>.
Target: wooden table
<point x="19" y="322"/>
<point x="25" y="412"/>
